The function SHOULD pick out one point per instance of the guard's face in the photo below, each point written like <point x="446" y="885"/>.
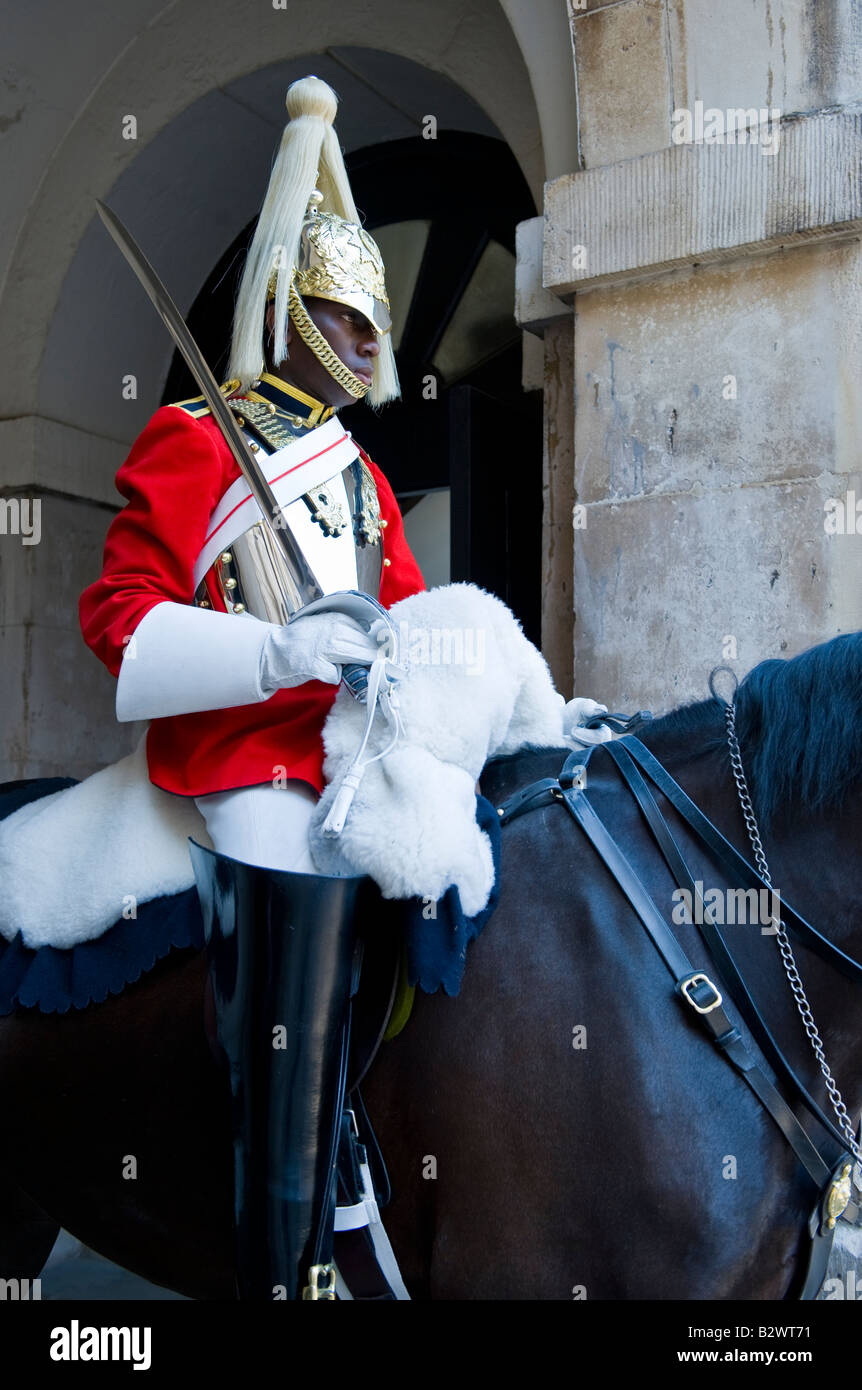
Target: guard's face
<point x="348" y="332"/>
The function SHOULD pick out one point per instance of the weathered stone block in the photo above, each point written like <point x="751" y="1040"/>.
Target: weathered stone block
<point x="692" y="203"/>
<point x="58" y="702"/>
<point x="668" y="587"/>
<point x="558" y="497"/>
<point x="721" y="377"/>
<point x="535" y="307"/>
<point x="46" y="455"/>
<point x="40" y="584"/>
<point x="796" y="55"/>
<point x="623" y="80"/>
<point x="57" y="698"/>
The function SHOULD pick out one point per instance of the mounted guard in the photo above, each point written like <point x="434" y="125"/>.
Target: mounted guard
<point x="222" y="679"/>
<point x="235" y="593"/>
<point x="260" y="562"/>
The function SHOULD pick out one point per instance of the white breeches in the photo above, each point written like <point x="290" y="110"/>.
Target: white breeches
<point x="262" y="825"/>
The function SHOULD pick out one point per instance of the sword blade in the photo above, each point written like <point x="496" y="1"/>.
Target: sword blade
<point x="221" y="412"/>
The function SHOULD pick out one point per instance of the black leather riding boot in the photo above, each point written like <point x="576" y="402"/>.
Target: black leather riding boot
<point x="283" y="950"/>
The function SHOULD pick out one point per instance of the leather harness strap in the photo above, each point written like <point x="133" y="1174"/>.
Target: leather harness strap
<point x="820" y="1229"/>
<point x="693" y="986"/>
<point x="709" y="931"/>
<point x="732" y="861"/>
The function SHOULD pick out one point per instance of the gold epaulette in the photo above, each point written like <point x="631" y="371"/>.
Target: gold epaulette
<point x="196" y="406"/>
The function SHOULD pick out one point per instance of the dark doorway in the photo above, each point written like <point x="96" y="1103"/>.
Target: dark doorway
<point x="445" y="212"/>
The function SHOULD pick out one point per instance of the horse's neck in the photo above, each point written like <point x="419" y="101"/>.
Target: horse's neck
<point x="816" y="866"/>
<point x="819" y="859"/>
<point x="815" y="860"/>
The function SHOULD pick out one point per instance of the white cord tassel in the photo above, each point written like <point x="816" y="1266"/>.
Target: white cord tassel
<point x="387" y="700"/>
<point x="337" y="814"/>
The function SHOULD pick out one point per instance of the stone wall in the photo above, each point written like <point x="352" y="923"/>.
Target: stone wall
<point x="717" y="365"/>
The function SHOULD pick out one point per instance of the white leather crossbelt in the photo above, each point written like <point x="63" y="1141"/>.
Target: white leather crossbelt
<point x="290" y="472"/>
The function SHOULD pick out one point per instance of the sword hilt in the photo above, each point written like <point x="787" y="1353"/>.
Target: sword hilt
<point x="355" y="677"/>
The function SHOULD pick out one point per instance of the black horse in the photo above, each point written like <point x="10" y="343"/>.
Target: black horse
<point x="562" y="1129"/>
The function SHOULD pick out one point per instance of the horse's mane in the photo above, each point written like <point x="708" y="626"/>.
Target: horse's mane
<point x="799" y="723"/>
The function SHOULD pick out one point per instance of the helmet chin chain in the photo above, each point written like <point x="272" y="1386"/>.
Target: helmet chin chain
<point x="325" y="354"/>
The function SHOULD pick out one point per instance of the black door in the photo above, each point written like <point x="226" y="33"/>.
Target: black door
<point x="497" y="499"/>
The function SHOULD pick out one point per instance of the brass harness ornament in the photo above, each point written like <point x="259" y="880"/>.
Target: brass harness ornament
<point x="839" y="1196"/>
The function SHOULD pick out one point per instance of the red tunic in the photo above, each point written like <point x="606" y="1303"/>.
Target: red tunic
<point x="176" y="473"/>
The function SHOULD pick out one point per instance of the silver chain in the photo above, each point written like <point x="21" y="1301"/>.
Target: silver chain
<point x="781" y="937"/>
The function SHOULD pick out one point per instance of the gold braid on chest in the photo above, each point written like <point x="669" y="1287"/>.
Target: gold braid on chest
<point x="275" y="427"/>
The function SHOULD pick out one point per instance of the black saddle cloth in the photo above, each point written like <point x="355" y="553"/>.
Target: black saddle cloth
<point x="55" y="980"/>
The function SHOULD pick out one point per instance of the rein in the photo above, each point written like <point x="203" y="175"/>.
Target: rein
<point x="694" y="987"/>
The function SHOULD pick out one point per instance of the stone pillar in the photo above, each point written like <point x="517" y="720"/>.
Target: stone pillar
<point x="56" y="503"/>
<point x="716" y="373"/>
<point x="559" y="495"/>
<point x="549" y="318"/>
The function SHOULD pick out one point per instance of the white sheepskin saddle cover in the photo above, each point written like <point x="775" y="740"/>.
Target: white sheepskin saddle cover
<point x="75" y="862"/>
<point x="475" y="688"/>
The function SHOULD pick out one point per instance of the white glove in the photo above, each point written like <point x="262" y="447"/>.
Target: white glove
<point x="313" y="648"/>
<point x="183" y="659"/>
<point x="574" y="714"/>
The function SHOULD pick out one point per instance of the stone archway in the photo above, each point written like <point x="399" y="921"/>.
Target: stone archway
<point x="74" y="324"/>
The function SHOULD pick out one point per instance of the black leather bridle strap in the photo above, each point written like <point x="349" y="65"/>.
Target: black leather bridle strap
<point x="737" y="868"/>
<point x="541" y="793"/>
<point x="694" y="986"/>
<point x="712" y="936"/>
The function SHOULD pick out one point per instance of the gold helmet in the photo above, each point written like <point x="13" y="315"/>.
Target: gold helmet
<point x="309" y="241"/>
<point x="339" y="260"/>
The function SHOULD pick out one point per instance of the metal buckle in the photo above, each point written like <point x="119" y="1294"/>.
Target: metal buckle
<point x="576" y="778"/>
<point x="689" y="984"/>
<point x="316" y="1289"/>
